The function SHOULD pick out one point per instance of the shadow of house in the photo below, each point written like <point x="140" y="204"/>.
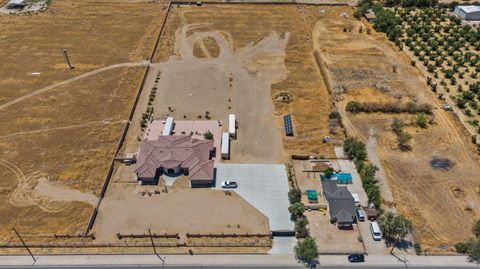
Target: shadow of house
<point x="174" y="156"/>
<point x="341" y="204"/>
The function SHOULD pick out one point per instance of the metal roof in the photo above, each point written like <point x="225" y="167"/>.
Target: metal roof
<point x="470" y="9"/>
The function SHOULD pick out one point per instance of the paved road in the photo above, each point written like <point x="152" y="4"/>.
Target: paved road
<point x="234" y="267"/>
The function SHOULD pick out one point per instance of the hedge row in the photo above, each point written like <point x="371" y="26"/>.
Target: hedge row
<point x="370" y="107"/>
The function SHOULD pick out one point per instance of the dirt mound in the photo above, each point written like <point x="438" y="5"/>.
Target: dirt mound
<point x="442" y="164"/>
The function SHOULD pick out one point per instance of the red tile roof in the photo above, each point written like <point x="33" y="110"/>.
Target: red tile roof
<point x="173" y="151"/>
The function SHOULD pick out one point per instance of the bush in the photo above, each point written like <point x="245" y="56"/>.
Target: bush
<point x="421" y="120"/>
<point x="353" y="106"/>
<point x="328" y="172"/>
<point x="418" y="248"/>
<point x="397" y="125"/>
<point x="335" y="115"/>
<point x="296" y="210"/>
<point x="355" y="149"/>
<point x="462" y="247"/>
<point x="403" y="140"/>
<point x="372" y="107"/>
<point x="208" y="135"/>
<point x="301" y="230"/>
<point x="294" y="195"/>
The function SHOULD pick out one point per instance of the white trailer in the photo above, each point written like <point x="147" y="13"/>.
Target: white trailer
<point x="225" y="146"/>
<point x="232" y="126"/>
<point x="168" y="129"/>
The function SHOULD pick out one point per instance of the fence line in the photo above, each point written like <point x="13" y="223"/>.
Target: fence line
<point x="94" y="214"/>
<point x="243" y="2"/>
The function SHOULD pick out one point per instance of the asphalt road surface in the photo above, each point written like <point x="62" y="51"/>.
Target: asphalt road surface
<point x="232" y="267"/>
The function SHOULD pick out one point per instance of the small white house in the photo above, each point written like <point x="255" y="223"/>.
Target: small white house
<point x="168" y="129"/>
<point x="232" y="126"/>
<point x="469" y="13"/>
<point x="225" y="146"/>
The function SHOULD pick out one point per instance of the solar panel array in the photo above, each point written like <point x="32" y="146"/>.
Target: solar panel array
<point x="287" y="120"/>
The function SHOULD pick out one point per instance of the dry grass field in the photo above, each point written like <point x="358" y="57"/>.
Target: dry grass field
<point x="59" y="124"/>
<point x="247" y="25"/>
<point x="441" y="204"/>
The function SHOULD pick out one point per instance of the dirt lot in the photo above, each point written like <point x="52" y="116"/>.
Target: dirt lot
<point x="432" y="199"/>
<point x="261" y="55"/>
<point x="62" y="125"/>
<point x="181" y="210"/>
<point x="329" y="238"/>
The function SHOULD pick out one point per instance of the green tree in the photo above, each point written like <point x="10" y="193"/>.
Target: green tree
<point x="335" y="115"/>
<point x="294" y="195"/>
<point x="395" y="228"/>
<point x="296" y="210"/>
<point x="306" y="252"/>
<point x="355" y="149"/>
<point x="353" y="106"/>
<point x="301" y="230"/>
<point x="328" y="172"/>
<point x="208" y="135"/>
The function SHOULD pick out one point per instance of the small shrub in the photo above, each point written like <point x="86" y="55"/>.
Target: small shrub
<point x="418" y="248"/>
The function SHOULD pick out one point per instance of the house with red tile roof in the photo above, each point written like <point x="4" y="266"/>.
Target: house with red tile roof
<point x="174" y="155"/>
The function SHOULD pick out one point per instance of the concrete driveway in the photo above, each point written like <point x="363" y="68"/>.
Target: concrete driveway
<point x="265" y="186"/>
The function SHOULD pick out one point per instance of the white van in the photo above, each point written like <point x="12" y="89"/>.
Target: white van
<point x="375" y="230"/>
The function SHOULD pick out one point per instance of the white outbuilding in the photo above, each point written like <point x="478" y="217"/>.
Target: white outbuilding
<point x="469" y="13"/>
<point x="232" y="126"/>
<point x="168" y="129"/>
<point x="225" y="146"/>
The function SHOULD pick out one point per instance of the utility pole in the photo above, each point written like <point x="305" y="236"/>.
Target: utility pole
<point x="65" y="52"/>
<point x="25" y="245"/>
<point x="154" y="249"/>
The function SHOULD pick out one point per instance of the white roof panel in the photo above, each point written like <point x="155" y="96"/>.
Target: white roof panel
<point x="167" y="130"/>
<point x="470" y="9"/>
<point x="16" y="2"/>
<point x="231" y="123"/>
<point x="225" y="143"/>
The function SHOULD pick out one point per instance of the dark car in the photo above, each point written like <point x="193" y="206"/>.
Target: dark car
<point x="356" y="258"/>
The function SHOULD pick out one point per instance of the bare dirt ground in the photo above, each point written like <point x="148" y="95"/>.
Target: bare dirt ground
<point x="329" y="238"/>
<point x="255" y="36"/>
<point x="180" y="211"/>
<point x="221" y="85"/>
<point x="441" y="204"/>
<point x="61" y="125"/>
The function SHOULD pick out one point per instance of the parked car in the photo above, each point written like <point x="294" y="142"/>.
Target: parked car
<point x="229" y="184"/>
<point x="375" y="229"/>
<point x="356" y="258"/>
<point x="360" y="215"/>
